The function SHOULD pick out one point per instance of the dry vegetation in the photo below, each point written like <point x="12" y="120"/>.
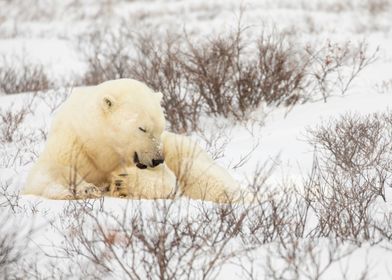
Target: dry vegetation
<point x="10" y="123"/>
<point x="15" y="234"/>
<point x="19" y="143"/>
<point x="19" y="75"/>
<point x="225" y="75"/>
<point x="351" y="172"/>
<point x="335" y="66"/>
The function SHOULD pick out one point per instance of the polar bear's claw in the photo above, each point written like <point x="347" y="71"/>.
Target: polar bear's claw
<point x="88" y="191"/>
<point x="118" y="188"/>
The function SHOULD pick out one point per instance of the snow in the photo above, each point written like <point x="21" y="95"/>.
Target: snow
<point x="277" y="135"/>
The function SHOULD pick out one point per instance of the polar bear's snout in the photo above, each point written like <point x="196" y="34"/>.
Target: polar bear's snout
<point x="154" y="162"/>
<point x="136" y="160"/>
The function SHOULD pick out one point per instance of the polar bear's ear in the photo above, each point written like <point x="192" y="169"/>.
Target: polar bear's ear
<point x="107" y="102"/>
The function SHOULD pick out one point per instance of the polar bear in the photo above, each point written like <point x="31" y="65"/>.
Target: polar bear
<point x="109" y="139"/>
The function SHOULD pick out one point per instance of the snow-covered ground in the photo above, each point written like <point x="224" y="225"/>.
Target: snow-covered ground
<point x="48" y="32"/>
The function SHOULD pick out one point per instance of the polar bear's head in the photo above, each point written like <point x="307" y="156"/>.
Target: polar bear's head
<point x="133" y="120"/>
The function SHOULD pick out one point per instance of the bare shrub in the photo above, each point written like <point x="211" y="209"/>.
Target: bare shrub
<point x="159" y="65"/>
<point x="225" y="75"/>
<point x="11" y="120"/>
<point x="282" y="71"/>
<point x="210" y="66"/>
<point x="8" y="200"/>
<point x="13" y="235"/>
<point x="107" y="55"/>
<point x="164" y="239"/>
<point x="271" y="219"/>
<point x="220" y="76"/>
<point x="376" y="7"/>
<point x="184" y="239"/>
<point x="43" y="11"/>
<point x="10" y="252"/>
<point x="351" y="170"/>
<point x="18" y="257"/>
<point x="233" y="79"/>
<point x="53" y="99"/>
<point x="19" y="141"/>
<point x="22" y="76"/>
<point x="335" y="66"/>
<point x="296" y="258"/>
<point x="168" y="241"/>
<point x="215" y="142"/>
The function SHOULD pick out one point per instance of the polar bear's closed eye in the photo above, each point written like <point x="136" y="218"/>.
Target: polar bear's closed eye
<point x="108" y="102"/>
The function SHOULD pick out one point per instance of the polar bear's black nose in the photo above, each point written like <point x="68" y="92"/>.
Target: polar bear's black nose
<point x="156" y="162"/>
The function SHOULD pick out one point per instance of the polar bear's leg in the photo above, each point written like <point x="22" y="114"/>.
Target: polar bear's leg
<point x="204" y="179"/>
<point x="59" y="182"/>
<point x="83" y="191"/>
<point x="56" y="191"/>
<point x="132" y="182"/>
<point x="198" y="175"/>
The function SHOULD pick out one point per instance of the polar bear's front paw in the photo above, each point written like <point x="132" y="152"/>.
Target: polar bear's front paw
<point x="119" y="188"/>
<point x="88" y="191"/>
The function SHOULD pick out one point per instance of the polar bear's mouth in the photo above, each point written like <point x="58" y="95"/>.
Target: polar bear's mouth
<point x="137" y="162"/>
